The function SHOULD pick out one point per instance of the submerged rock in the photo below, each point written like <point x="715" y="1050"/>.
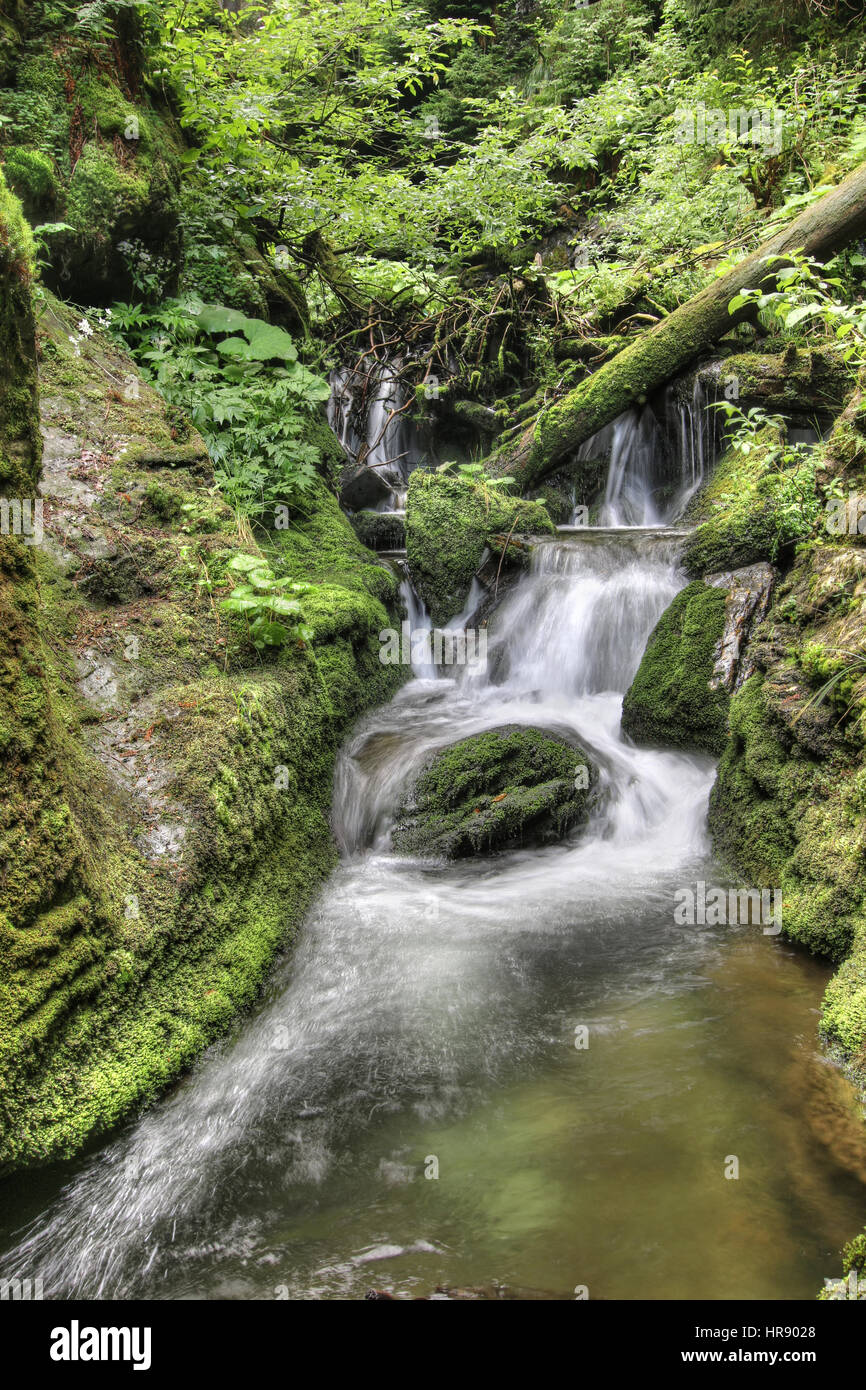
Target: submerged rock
<point x="508" y="786"/>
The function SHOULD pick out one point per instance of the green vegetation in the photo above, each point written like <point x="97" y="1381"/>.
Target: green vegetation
<point x="670" y="701"/>
<point x="450" y="518"/>
<point x="493" y="201"/>
<point x="136" y="923"/>
<point x="760" y="501"/>
<point x="508" y="786"/>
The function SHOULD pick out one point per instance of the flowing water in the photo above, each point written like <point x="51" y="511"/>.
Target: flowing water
<point x="408" y="1106"/>
<point x="657" y="462"/>
<point x="375" y="405"/>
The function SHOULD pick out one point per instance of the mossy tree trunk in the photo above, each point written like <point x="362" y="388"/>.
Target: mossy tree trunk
<point x="668" y="348"/>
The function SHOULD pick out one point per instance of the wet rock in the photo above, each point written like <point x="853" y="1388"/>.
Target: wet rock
<point x="746" y="604"/>
<point x="362" y="488"/>
<point x="509" y="786"/>
<point x="380" y="530"/>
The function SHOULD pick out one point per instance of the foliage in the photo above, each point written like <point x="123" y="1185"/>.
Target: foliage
<point x="807" y="296"/>
<point x="240" y="381"/>
<point x="262" y="600"/>
<point x="791" y="479"/>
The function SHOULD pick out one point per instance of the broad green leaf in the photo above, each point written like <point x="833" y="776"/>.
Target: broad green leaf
<point x="245" y="562"/>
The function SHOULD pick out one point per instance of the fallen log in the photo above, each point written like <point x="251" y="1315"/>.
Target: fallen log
<point x="822" y="229"/>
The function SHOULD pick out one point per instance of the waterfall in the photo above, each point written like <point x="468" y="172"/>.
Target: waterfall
<point x="659" y="456"/>
<point x="366" y="412"/>
<point x="697" y="438"/>
<point x="629" y="497"/>
<point x="419" y="621"/>
<point x="429" y="1011"/>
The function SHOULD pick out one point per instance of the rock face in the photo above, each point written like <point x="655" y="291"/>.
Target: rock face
<point x="164" y="791"/>
<point x="789" y="803"/>
<point x="92" y="146"/>
<point x="748" y="598"/>
<point x="449" y="522"/>
<point x="86" y="147"/>
<point x="509" y="786"/>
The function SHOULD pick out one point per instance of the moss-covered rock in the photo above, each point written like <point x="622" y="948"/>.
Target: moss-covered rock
<point x="789" y="804"/>
<point x="670" y="701"/>
<point x="798" y="382"/>
<point x="164" y="791"/>
<point x="790" y="819"/>
<point x="508" y="786"/>
<point x="379" y="530"/>
<point x="85" y="146"/>
<point x="449" y="522"/>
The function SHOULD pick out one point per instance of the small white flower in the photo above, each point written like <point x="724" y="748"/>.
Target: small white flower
<point x="84" y="327"/>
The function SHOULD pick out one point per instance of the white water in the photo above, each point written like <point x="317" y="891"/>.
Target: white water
<point x="386" y="444"/>
<point x="398" y="999"/>
<point x="653" y="472"/>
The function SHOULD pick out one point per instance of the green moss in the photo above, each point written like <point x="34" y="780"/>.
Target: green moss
<point x="752" y="509"/>
<point x="843" y="1018"/>
<point x="32" y="176"/>
<point x="449" y="521"/>
<point x="786" y="819"/>
<point x="83" y="152"/>
<point x="379" y="530"/>
<point x="670" y="701"/>
<point x="507" y="786"/>
<point x="17" y="251"/>
<point x="101" y="1007"/>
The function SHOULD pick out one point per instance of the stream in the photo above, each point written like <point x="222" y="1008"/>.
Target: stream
<point x="408" y="1108"/>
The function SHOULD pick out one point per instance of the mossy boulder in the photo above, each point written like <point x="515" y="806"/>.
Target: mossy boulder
<point x="506" y="787"/>
<point x="790" y="819"/>
<point x="670" y="701"/>
<point x="449" y="521"/>
<point x="84" y="145"/>
<point x="379" y="530"/>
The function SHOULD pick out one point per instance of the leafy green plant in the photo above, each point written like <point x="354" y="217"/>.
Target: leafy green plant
<point x="477" y="473"/>
<point x="746" y="425"/>
<point x="240" y="381"/>
<point x="273" y="619"/>
<point x="808" y="296"/>
<point x="790" y="482"/>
